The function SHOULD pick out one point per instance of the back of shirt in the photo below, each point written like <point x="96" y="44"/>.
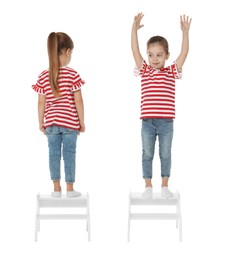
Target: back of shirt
<point x="60" y="111"/>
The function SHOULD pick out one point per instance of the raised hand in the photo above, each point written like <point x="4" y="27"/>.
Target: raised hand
<point x="134" y="39"/>
<point x="185" y="23"/>
<point x="137" y="21"/>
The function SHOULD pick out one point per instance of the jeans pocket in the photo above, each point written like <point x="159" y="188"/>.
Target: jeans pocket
<point x="48" y="130"/>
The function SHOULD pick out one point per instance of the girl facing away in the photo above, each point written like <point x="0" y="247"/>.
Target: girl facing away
<point x="158" y="100"/>
<point x="60" y="110"/>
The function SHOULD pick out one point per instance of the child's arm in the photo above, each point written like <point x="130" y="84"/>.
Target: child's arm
<point x="41" y="111"/>
<point x="80" y="108"/>
<point x="134" y="40"/>
<point x="185" y="23"/>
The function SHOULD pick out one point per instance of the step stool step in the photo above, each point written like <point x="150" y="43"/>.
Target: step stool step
<point x="47" y="201"/>
<point x="154" y="216"/>
<point x="136" y="199"/>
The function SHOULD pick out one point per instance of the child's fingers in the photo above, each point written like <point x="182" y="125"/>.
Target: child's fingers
<point x="139" y="16"/>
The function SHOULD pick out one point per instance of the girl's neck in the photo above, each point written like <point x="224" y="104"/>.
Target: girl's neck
<point x="63" y="64"/>
<point x="63" y="60"/>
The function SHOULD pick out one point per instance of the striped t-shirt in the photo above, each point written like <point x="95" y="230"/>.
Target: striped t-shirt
<point x="60" y="111"/>
<point x="158" y="91"/>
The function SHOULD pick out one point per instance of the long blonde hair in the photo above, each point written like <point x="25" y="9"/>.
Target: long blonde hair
<point x="57" y="42"/>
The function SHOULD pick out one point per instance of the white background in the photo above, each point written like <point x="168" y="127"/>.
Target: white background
<point x="109" y="153"/>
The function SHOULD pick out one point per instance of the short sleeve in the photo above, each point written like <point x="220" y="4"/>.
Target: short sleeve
<point x="38" y="87"/>
<point x="142" y="70"/>
<point x="77" y="83"/>
<point x="177" y="74"/>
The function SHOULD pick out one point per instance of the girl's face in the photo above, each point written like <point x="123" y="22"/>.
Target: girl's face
<point x="157" y="56"/>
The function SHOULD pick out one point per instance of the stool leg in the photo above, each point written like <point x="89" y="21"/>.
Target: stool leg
<point x="88" y="220"/>
<point x="178" y="214"/>
<point x="180" y="218"/>
<point x="128" y="231"/>
<point x="180" y="229"/>
<point x="177" y="221"/>
<point x="36" y="228"/>
<point x="37" y="219"/>
<point x="38" y="224"/>
<point x="89" y="229"/>
<point x="128" y="234"/>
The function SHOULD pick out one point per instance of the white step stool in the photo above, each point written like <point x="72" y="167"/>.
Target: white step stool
<point x="47" y="201"/>
<point x="135" y="199"/>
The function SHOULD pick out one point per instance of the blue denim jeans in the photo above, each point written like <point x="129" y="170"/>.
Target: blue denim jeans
<point x="62" y="141"/>
<point x="151" y="128"/>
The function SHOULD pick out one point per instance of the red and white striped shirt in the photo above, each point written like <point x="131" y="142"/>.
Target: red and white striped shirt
<point x="158" y="91"/>
<point x="60" y="111"/>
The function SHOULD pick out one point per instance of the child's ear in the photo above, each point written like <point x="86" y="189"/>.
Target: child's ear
<point x="167" y="55"/>
<point x="68" y="52"/>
